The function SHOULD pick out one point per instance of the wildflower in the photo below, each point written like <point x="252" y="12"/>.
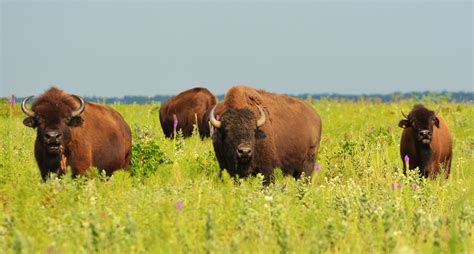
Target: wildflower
<point x="179" y="205"/>
<point x="175" y="122"/>
<point x="399" y="186"/>
<point x="406" y="159"/>
<point x="393" y="187"/>
<point x="389" y="127"/>
<point x="12" y="100"/>
<point x="317" y="167"/>
<point x="415" y="186"/>
<point x="372" y="129"/>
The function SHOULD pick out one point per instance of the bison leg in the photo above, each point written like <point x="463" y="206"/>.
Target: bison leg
<point x="128" y="158"/>
<point x="447" y="167"/>
<point x="308" y="163"/>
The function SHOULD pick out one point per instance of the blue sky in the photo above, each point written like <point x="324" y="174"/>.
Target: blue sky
<point x="117" y="48"/>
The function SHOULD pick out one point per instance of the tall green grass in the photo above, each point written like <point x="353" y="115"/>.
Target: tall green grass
<point x="173" y="199"/>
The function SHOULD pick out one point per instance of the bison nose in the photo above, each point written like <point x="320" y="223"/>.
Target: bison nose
<point x="424" y="133"/>
<point x="244" y="152"/>
<point x="52" y="136"/>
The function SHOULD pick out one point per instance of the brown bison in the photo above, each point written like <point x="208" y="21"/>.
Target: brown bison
<point x="259" y="131"/>
<point x="426" y="142"/>
<point x="185" y="109"/>
<point x="71" y="132"/>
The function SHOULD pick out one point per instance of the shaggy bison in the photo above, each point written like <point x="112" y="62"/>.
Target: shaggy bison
<point x="259" y="131"/>
<point x="185" y="109"/>
<point x="426" y="141"/>
<point x="71" y="132"/>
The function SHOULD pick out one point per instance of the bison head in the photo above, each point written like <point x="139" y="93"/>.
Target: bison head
<point x="421" y="121"/>
<point x="235" y="137"/>
<point x="53" y="119"/>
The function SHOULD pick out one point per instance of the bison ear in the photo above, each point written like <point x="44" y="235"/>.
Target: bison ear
<point x="404" y="123"/>
<point x="260" y="134"/>
<point x="436" y="121"/>
<point x="75" y="121"/>
<point x="30" y="122"/>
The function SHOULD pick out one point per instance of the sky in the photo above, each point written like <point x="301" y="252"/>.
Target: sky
<point x="117" y="48"/>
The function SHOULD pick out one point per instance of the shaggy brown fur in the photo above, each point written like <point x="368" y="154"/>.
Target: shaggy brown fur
<point x="188" y="106"/>
<point x="99" y="137"/>
<point x="289" y="139"/>
<point x="428" y="150"/>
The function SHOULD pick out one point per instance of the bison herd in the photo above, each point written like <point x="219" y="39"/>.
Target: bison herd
<point x="255" y="131"/>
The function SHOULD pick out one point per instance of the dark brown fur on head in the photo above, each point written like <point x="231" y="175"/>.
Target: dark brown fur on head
<point x="52" y="107"/>
<point x="239" y="128"/>
<point x="421" y="120"/>
<point x="53" y="120"/>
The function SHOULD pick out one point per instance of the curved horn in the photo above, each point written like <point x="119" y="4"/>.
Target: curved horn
<point x="216" y="123"/>
<point x="404" y="115"/>
<point x="81" y="108"/>
<point x="262" y="119"/>
<point x="26" y="110"/>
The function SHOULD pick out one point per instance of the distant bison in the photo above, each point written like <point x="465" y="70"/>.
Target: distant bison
<point x="426" y="141"/>
<point x="259" y="131"/>
<point x="185" y="109"/>
<point x="71" y="132"/>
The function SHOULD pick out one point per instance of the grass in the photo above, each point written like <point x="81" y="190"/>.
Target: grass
<point x="173" y="200"/>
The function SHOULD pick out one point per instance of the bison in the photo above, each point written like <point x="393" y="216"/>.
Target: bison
<point x="259" y="131"/>
<point x="426" y="141"/>
<point x="71" y="132"/>
<point x="185" y="109"/>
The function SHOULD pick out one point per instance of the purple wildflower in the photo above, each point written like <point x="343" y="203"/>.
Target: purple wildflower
<point x="399" y="186"/>
<point x="175" y="122"/>
<point x="179" y="205"/>
<point x="317" y="167"/>
<point x="372" y="129"/>
<point x="389" y="127"/>
<point x="393" y="187"/>
<point x="406" y="159"/>
<point x="415" y="186"/>
<point x="12" y="100"/>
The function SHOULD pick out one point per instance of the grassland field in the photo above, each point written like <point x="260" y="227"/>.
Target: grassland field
<point x="173" y="200"/>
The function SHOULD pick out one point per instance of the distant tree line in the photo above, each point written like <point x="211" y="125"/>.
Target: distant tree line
<point x="393" y="97"/>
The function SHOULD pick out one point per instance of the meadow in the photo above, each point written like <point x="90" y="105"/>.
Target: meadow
<point x="173" y="200"/>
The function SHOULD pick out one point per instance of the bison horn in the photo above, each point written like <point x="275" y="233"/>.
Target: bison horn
<point x="262" y="119"/>
<point x="404" y="115"/>
<point x="26" y="110"/>
<point x="216" y="123"/>
<point x="81" y="108"/>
